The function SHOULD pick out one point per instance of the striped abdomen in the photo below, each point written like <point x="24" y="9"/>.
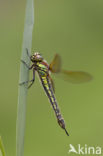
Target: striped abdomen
<point x="49" y="92"/>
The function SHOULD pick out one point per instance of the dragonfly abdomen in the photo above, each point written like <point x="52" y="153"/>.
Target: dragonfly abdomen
<point x="47" y="87"/>
<point x="49" y="92"/>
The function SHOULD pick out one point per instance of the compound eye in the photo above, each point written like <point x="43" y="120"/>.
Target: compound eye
<point x="32" y="58"/>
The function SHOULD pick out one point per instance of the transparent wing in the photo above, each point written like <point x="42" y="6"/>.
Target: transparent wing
<point x="71" y="76"/>
<point x="75" y="76"/>
<point x="55" y="65"/>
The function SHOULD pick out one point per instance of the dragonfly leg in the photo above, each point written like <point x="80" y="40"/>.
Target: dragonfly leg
<point x="23" y="83"/>
<point x="27" y="64"/>
<point x="28" y="53"/>
<point x="32" y="81"/>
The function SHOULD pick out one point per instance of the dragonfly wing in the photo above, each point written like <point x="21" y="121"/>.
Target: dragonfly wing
<point x="71" y="76"/>
<point x="55" y="65"/>
<point x="76" y="76"/>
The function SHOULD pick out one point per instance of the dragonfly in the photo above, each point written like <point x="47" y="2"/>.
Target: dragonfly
<point x="44" y="70"/>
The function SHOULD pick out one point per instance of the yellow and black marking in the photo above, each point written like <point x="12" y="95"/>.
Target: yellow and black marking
<point x="49" y="92"/>
<point x="43" y="69"/>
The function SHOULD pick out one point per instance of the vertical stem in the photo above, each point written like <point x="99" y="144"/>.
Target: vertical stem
<point x="24" y="76"/>
<point x="2" y="152"/>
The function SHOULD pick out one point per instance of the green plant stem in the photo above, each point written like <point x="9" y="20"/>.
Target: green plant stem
<point x="2" y="152"/>
<point x="24" y="76"/>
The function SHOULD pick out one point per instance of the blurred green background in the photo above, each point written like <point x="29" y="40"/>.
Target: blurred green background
<point x="73" y="29"/>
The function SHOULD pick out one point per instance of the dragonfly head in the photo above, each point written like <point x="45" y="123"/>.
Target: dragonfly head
<point x="36" y="57"/>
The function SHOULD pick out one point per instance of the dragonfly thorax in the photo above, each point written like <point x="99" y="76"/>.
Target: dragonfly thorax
<point x="36" y="57"/>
